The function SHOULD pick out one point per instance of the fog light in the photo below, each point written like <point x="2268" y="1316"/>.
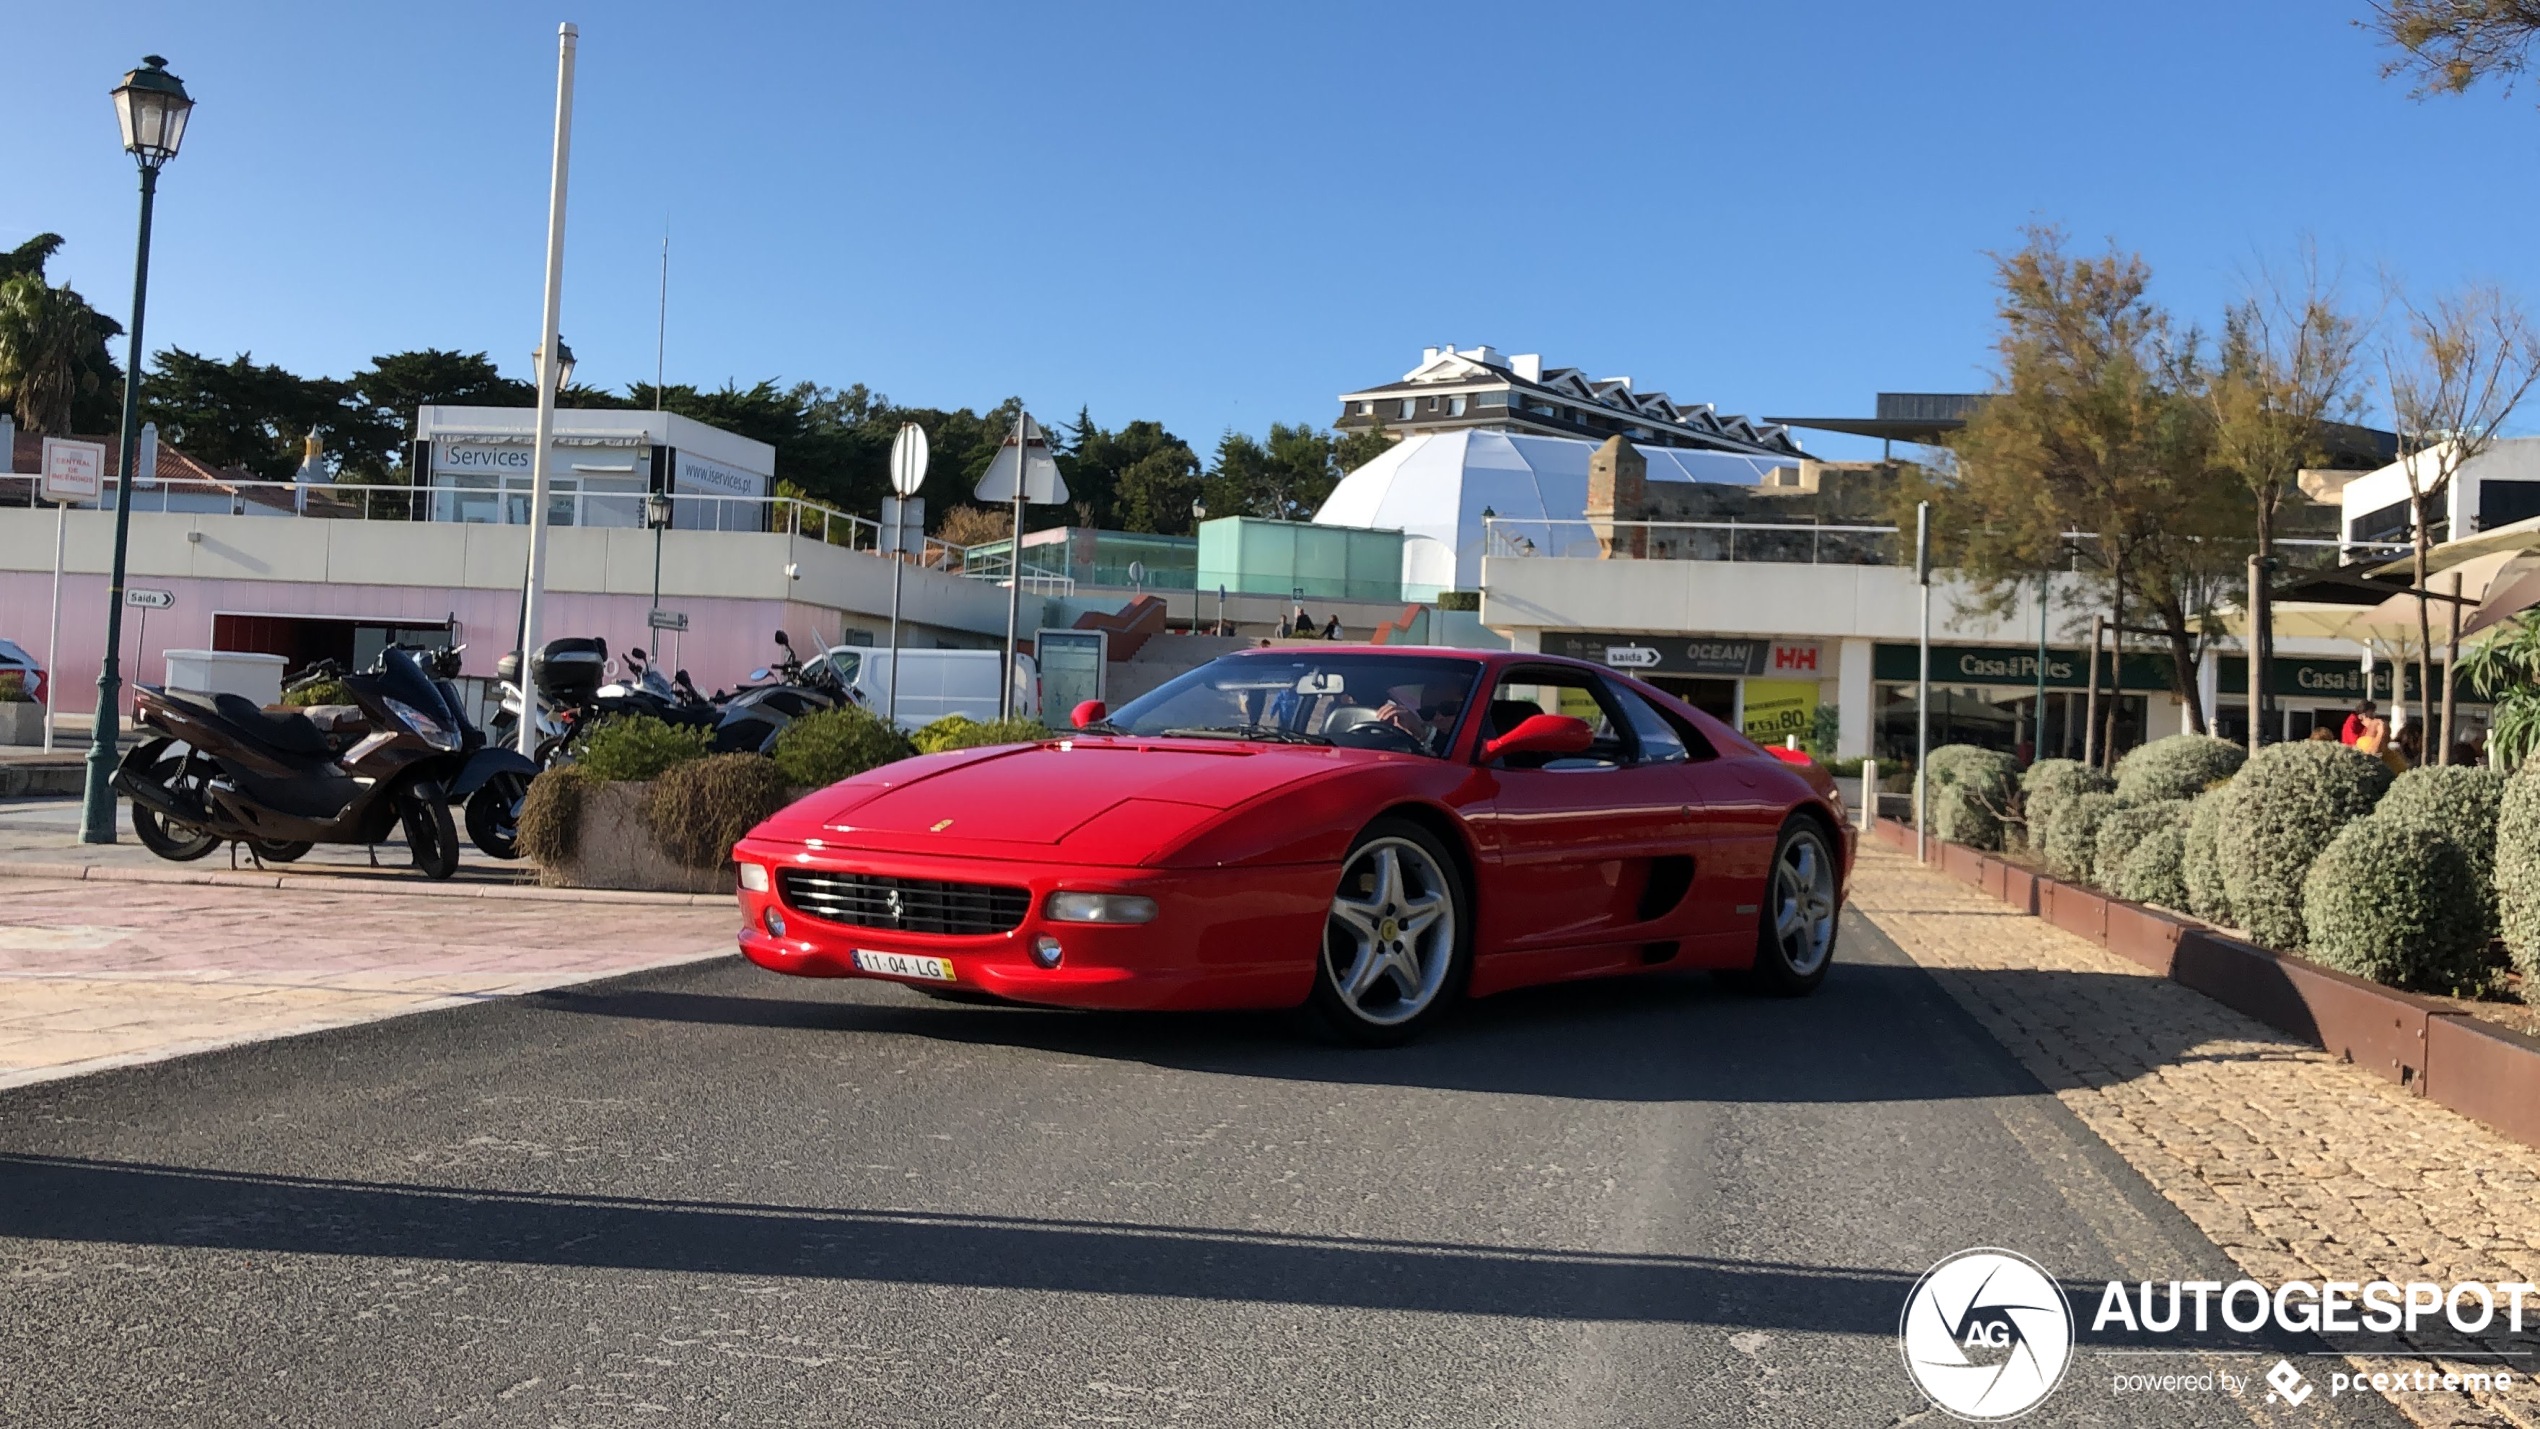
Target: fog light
<point x="1045" y="951"/>
<point x="754" y="877"/>
<point x="1100" y="908"/>
<point x="775" y="921"/>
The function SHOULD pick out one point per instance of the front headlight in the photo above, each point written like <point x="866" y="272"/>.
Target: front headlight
<point x="754" y="877"/>
<point x="424" y="724"/>
<point x="1100" y="908"/>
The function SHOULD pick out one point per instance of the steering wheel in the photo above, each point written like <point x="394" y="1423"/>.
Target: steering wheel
<point x="1383" y="734"/>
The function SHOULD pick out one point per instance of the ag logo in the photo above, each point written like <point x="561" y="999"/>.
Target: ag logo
<point x="1986" y="1334"/>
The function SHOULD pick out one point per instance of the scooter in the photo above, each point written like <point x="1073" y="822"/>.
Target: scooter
<point x="226" y="771"/>
<point x="755" y="715"/>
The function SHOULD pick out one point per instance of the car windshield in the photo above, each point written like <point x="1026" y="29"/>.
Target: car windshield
<point x="1358" y="699"/>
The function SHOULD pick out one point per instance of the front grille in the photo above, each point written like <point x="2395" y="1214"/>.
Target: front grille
<point x="904" y="905"/>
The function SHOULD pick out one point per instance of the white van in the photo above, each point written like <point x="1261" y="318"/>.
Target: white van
<point x="936" y="683"/>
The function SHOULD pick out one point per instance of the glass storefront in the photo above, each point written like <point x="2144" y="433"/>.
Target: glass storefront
<point x="1999" y="717"/>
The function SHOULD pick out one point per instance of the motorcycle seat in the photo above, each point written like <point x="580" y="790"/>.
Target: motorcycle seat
<point x="290" y="733"/>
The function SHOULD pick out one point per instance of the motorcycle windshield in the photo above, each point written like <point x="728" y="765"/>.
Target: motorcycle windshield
<point x="400" y="678"/>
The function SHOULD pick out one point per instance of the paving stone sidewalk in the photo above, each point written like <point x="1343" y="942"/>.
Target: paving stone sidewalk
<point x="98" y="974"/>
<point x="2297" y="1165"/>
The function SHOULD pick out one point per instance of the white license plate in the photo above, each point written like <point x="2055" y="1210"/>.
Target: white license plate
<point x="903" y="965"/>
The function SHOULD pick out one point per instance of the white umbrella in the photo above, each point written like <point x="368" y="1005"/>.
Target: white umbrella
<point x="2515" y="589"/>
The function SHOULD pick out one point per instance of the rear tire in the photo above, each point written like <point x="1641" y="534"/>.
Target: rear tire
<point x="1796" y="923"/>
<point x="430" y="835"/>
<point x="277" y="851"/>
<point x="177" y="843"/>
<point x="1397" y="942"/>
<point x="493" y="815"/>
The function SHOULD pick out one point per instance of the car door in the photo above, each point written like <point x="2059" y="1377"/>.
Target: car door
<point x="1734" y="828"/>
<point x="1571" y="843"/>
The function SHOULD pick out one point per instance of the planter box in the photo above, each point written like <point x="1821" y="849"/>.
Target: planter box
<point x="21" y="722"/>
<point x="2365" y="1023"/>
<point x="2073" y="908"/>
<point x="2019" y="888"/>
<point x="2486" y="1072"/>
<point x="1962" y="863"/>
<point x="617" y="851"/>
<point x="2143" y="935"/>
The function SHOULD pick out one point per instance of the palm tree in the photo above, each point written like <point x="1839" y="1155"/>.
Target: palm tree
<point x="2507" y="667"/>
<point x="49" y="340"/>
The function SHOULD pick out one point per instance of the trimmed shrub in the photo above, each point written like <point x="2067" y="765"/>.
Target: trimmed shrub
<point x="698" y="810"/>
<point x="324" y="692"/>
<point x="2123" y="828"/>
<point x="551" y="814"/>
<point x="2287" y="803"/>
<point x="2072" y="840"/>
<point x="818" y="750"/>
<point x="2200" y="858"/>
<point x="638" y="747"/>
<point x="2460" y="804"/>
<point x="2518" y="868"/>
<point x="2179" y="767"/>
<point x="1972" y="794"/>
<point x="963" y="732"/>
<point x="2155" y="872"/>
<point x="2049" y="782"/>
<point x="2383" y="901"/>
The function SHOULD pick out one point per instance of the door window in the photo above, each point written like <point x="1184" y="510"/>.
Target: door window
<point x="1657" y="740"/>
<point x="1522" y="694"/>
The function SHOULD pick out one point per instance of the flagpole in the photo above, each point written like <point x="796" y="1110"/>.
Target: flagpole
<point x="1014" y="568"/>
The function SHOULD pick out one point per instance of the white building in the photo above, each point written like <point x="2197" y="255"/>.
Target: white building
<point x="477" y="462"/>
<point x="2496" y="487"/>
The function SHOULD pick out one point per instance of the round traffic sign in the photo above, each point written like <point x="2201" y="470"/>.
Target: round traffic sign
<point x="908" y="460"/>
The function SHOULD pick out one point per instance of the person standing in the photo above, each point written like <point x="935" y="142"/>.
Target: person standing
<point x="2356" y="722"/>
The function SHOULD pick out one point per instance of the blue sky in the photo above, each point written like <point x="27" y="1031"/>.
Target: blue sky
<point x="1223" y="216"/>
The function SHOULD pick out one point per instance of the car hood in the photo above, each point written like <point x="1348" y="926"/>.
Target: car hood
<point x="1101" y="800"/>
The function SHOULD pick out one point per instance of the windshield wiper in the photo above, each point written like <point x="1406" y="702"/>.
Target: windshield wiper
<point x="1100" y="726"/>
<point x="1267" y="733"/>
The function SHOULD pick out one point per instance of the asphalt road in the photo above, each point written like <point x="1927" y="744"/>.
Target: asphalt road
<point x="717" y="1196"/>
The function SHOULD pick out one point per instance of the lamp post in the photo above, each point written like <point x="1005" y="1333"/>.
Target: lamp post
<point x="552" y="377"/>
<point x="657" y="516"/>
<point x="152" y="106"/>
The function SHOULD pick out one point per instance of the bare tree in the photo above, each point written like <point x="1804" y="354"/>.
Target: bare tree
<point x="2288" y="368"/>
<point x="2462" y="364"/>
<point x="2448" y="45"/>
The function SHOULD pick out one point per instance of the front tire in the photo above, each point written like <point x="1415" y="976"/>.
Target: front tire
<point x="430" y="835"/>
<point x="177" y="843"/>
<point x="278" y="850"/>
<point x="1795" y="930"/>
<point x="1397" y="943"/>
<point x="493" y="815"/>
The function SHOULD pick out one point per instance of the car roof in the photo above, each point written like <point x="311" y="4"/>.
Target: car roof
<point x="13" y="653"/>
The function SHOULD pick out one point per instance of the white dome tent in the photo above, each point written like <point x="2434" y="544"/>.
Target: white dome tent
<point x="1434" y="487"/>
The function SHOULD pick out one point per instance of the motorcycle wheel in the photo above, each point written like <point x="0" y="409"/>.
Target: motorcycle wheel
<point x="430" y="835"/>
<point x="493" y="815"/>
<point x="177" y="843"/>
<point x="277" y="850"/>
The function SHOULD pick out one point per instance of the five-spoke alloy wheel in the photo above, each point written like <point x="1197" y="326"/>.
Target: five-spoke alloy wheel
<point x="1795" y="934"/>
<point x="1394" y="944"/>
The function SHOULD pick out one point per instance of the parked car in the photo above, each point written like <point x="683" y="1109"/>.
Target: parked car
<point x="936" y="683"/>
<point x="22" y="669"/>
<point x="1370" y="831"/>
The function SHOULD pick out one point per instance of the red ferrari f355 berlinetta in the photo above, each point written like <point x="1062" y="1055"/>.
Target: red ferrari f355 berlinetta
<point x="1367" y="830"/>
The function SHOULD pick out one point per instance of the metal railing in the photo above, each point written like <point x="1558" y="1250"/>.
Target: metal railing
<point x="1777" y="542"/>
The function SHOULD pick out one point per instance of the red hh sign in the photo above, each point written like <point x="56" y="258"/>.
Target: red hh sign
<point x="1795" y="659"/>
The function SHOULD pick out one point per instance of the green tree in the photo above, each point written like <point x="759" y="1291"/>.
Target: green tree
<point x="250" y="415"/>
<point x="56" y="375"/>
<point x="1284" y="477"/>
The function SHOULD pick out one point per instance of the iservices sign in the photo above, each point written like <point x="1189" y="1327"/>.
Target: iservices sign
<point x="2001" y="665"/>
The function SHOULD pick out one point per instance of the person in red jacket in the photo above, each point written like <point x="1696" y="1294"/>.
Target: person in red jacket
<point x="2356" y="723"/>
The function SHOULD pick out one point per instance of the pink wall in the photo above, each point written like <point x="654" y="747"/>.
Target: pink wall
<point x="725" y="639"/>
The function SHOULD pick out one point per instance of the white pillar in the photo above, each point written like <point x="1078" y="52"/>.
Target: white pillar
<point x="549" y="374"/>
<point x="1853" y="705"/>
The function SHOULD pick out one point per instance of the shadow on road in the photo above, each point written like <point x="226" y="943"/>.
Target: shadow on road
<point x="60" y="1199"/>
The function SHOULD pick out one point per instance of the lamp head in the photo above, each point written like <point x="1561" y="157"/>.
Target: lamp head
<point x="152" y="105"/>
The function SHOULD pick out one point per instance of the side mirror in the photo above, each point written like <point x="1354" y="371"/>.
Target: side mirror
<point x="637" y="652"/>
<point x="1542" y="734"/>
<point x="1091" y="712"/>
<point x="781" y="640"/>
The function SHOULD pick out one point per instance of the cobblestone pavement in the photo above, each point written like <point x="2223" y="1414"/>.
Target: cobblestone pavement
<point x="2297" y="1165"/>
<point x="96" y="975"/>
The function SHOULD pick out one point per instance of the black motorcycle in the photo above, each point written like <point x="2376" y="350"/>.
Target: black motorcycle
<point x="226" y="771"/>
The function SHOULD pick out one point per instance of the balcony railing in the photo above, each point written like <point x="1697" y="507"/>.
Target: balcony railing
<point x="1803" y="543"/>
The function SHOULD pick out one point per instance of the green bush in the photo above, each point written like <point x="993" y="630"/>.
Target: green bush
<point x="2179" y="767"/>
<point x="2383" y="901"/>
<point x="2460" y="804"/>
<point x="2072" y="840"/>
<point x="2200" y="858"/>
<point x="638" y="747"/>
<point x="2123" y="828"/>
<point x="2518" y="868"/>
<point x="963" y="732"/>
<point x="2047" y="783"/>
<point x="1972" y="794"/>
<point x="2155" y="872"/>
<point x="698" y="810"/>
<point x="551" y="814"/>
<point x="818" y="750"/>
<point x="324" y="692"/>
<point x="2287" y="803"/>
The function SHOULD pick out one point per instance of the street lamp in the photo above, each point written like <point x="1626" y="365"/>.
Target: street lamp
<point x="656" y="515"/>
<point x="564" y="362"/>
<point x="152" y="106"/>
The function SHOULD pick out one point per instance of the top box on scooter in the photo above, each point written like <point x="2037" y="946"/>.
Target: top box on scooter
<point x="569" y="670"/>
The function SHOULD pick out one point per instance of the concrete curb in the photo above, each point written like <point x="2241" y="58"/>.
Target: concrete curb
<point x="329" y="883"/>
<point x="2488" y="1073"/>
